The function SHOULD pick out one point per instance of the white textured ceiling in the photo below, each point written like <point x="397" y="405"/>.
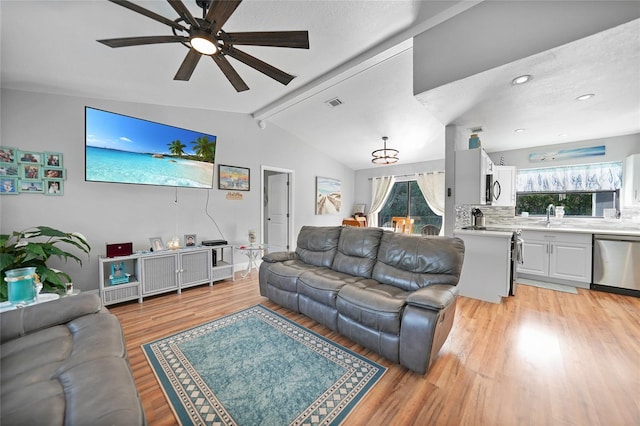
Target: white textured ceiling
<point x="360" y="51"/>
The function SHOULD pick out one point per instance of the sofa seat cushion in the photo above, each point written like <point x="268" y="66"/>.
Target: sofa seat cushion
<point x="284" y="275"/>
<point x="322" y="285"/>
<point x="374" y="305"/>
<point x="54" y="374"/>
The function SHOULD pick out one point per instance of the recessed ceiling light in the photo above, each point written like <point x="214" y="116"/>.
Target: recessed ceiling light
<point x="585" y="97"/>
<point x="521" y="79"/>
<point x="563" y="135"/>
<point x="519" y="130"/>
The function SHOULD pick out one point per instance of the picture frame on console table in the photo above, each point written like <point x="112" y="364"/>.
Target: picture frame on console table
<point x="189" y="240"/>
<point x="156" y="244"/>
<point x="234" y="178"/>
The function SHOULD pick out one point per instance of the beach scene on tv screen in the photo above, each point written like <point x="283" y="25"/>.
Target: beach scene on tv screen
<point x="125" y="149"/>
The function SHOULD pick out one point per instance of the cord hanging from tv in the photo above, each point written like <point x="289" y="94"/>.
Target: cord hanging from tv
<point x="124" y="149"/>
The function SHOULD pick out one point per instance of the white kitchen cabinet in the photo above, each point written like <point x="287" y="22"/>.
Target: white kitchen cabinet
<point x="472" y="167"/>
<point x="504" y="186"/>
<point x="632" y="180"/>
<point x="561" y="256"/>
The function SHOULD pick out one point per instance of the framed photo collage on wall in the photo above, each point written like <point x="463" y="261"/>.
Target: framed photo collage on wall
<point x="30" y="172"/>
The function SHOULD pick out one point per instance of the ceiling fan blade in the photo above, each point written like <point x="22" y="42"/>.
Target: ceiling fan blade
<point x="219" y="13"/>
<point x="138" y="41"/>
<point x="149" y="14"/>
<point x="188" y="65"/>
<point x="229" y="72"/>
<point x="294" y="39"/>
<point x="257" y="64"/>
<point x="184" y="13"/>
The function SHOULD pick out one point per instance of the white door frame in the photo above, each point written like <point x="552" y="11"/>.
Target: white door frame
<point x="263" y="184"/>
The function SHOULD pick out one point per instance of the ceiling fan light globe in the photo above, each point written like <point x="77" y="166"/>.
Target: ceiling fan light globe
<point x="203" y="44"/>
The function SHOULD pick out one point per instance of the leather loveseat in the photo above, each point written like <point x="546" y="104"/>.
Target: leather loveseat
<point x="64" y="362"/>
<point x="392" y="293"/>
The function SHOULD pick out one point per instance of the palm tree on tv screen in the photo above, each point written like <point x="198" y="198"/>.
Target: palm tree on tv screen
<point x="205" y="148"/>
<point x="177" y="148"/>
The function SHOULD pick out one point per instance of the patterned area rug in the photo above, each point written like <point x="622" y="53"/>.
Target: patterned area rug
<point x="256" y="367"/>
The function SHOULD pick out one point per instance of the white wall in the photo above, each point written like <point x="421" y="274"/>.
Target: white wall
<point x="616" y="149"/>
<point x="118" y="213"/>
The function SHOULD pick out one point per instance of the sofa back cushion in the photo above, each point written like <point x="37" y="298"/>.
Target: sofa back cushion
<point x="412" y="262"/>
<point x="357" y="251"/>
<point x="317" y="245"/>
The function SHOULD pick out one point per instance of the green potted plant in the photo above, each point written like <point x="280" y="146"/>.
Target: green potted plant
<point x="32" y="248"/>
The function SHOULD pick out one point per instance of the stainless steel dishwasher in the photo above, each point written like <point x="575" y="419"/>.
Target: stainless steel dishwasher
<point x="616" y="264"/>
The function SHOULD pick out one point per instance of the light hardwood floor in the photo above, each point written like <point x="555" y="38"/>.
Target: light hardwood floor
<point x="540" y="358"/>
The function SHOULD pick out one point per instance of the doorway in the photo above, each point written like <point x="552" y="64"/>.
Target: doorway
<point x="277" y="208"/>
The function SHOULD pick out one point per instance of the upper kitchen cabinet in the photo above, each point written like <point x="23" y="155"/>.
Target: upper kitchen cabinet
<point x="632" y="180"/>
<point x="504" y="186"/>
<point x="472" y="168"/>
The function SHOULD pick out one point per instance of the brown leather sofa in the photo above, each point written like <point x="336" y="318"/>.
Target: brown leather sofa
<point x="65" y="362"/>
<point x="392" y="293"/>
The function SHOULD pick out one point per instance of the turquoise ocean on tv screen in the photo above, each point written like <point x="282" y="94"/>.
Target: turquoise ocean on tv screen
<point x="110" y="165"/>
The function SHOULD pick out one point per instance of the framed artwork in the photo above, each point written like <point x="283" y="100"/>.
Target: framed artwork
<point x="52" y="173"/>
<point x="189" y="240"/>
<point x="53" y="187"/>
<point x="8" y="169"/>
<point x="53" y="160"/>
<point x="233" y="178"/>
<point x="31" y="186"/>
<point x="7" y="155"/>
<point x="328" y="195"/>
<point x="30" y="157"/>
<point x="156" y="244"/>
<point x="8" y="185"/>
<point x="30" y="171"/>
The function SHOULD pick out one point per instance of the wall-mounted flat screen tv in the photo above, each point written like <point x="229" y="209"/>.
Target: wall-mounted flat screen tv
<point x="123" y="149"/>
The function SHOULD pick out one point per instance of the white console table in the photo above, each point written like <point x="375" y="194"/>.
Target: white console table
<point x="164" y="271"/>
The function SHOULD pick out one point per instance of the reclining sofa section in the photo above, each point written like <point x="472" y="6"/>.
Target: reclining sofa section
<point x="392" y="293"/>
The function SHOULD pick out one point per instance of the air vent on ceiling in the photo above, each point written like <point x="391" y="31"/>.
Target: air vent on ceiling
<point x="332" y="103"/>
<point x="476" y="129"/>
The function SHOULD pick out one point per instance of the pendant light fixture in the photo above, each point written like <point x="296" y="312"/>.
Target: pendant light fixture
<point x="385" y="155"/>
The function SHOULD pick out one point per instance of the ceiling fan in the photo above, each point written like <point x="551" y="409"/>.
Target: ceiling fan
<point x="205" y="37"/>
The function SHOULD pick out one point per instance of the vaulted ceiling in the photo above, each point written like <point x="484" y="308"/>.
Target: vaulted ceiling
<point x="361" y="52"/>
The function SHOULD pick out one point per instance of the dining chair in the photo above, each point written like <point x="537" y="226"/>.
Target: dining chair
<point x="430" y="230"/>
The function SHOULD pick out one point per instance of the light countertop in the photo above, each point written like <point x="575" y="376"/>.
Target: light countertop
<point x="571" y="226"/>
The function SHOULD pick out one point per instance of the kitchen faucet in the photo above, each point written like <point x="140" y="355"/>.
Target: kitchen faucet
<point x="549" y="208"/>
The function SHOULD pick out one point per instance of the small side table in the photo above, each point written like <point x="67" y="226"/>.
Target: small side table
<point x="252" y="251"/>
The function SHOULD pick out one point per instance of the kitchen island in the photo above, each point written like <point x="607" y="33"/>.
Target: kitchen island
<point x="487" y="269"/>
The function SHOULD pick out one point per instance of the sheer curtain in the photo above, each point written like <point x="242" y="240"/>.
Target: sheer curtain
<point x="432" y="187"/>
<point x="380" y="190"/>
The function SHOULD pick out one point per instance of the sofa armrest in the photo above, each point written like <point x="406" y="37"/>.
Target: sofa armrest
<point x="437" y="296"/>
<point x="20" y="322"/>
<point x="279" y="256"/>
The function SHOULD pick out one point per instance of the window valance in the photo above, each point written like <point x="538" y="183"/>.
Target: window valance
<point x="584" y="177"/>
